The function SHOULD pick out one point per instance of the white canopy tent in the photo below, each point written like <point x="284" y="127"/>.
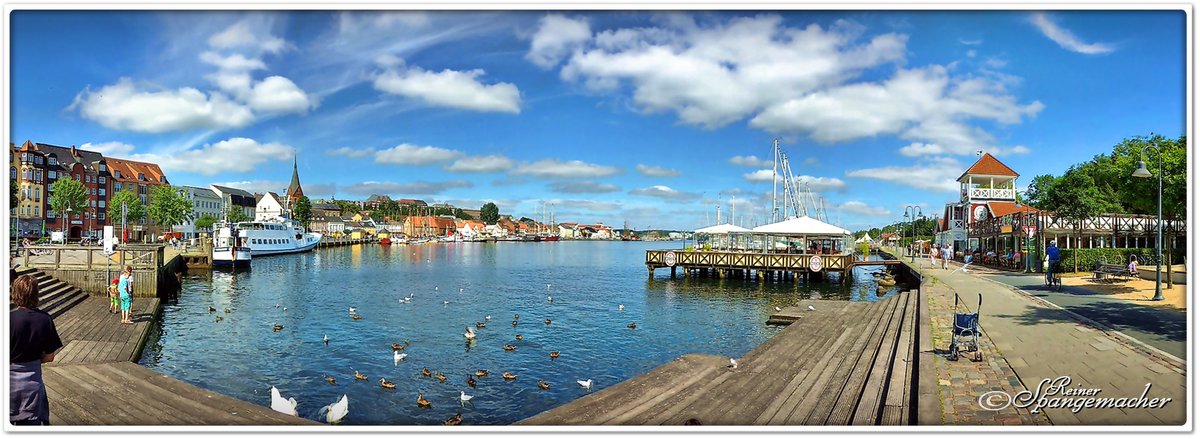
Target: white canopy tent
<point x="722" y="229"/>
<point x="813" y="233"/>
<point x="865" y="238"/>
<point x="718" y="235"/>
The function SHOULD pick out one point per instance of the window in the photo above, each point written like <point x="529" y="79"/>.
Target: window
<point x="27" y="175"/>
<point x="12" y="173"/>
<point x="141" y="177"/>
<point x="53" y="175"/>
<point x="102" y="203"/>
<point x="37" y="194"/>
<point x="102" y="216"/>
<point x="117" y="187"/>
<point x="49" y="214"/>
<point x="102" y="192"/>
<point x="53" y="160"/>
<point x="142" y="190"/>
<point x="103" y="168"/>
<point x="102" y="177"/>
<point x="37" y="211"/>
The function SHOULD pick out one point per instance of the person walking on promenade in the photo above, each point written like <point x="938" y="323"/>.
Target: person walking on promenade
<point x="125" y="288"/>
<point x="933" y="253"/>
<point x="32" y="340"/>
<point x="946" y="254"/>
<point x="1052" y="257"/>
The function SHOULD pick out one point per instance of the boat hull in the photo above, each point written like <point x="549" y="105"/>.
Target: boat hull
<point x="223" y="257"/>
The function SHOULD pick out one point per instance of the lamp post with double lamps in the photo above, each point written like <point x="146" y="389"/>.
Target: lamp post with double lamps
<point x="1142" y="172"/>
<point x="915" y="212"/>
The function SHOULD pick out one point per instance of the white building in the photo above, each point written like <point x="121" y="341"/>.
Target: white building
<point x="495" y="231"/>
<point x="268" y="207"/>
<point x="232" y="198"/>
<point x="204" y="202"/>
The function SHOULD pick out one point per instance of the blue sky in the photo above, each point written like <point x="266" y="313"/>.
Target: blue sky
<point x="611" y="116"/>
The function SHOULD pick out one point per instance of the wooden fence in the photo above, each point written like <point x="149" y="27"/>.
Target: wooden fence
<point x="91" y="270"/>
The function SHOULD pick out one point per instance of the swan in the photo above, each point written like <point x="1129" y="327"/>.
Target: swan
<point x="337" y="411"/>
<point x="463" y="397"/>
<point x="285" y="406"/>
<point x="586" y="384"/>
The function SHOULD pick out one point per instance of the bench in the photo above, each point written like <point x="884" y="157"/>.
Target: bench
<point x="1105" y="271"/>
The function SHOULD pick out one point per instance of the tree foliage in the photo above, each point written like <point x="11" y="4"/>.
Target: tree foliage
<point x="168" y="207"/>
<point x="205" y="221"/>
<point x="68" y="194"/>
<point x="236" y="214"/>
<point x="302" y="211"/>
<point x="136" y="210"/>
<point x="489" y="213"/>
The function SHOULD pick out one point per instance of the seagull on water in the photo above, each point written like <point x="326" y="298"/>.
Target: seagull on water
<point x="353" y="310"/>
<point x="463" y="398"/>
<point x="460" y="290"/>
<point x="620" y="307"/>
<point x="586" y="384"/>
<point x="487" y="318"/>
<point x="550" y="299"/>
<point x="445" y="302"/>
<point x="337" y="411"/>
<point x="285" y="406"/>
<point x="326" y="339"/>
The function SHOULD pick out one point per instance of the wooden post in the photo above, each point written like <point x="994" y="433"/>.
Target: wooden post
<point x="672" y="272"/>
<point x="650" y="268"/>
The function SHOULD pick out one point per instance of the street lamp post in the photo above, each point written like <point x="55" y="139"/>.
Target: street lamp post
<point x="65" y="221"/>
<point x="1142" y="172"/>
<point x="916" y="211"/>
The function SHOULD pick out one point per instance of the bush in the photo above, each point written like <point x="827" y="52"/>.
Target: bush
<point x="1088" y="257"/>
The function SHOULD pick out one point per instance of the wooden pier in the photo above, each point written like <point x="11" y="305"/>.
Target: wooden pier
<point x="845" y="363"/>
<point x="750" y="265"/>
<point x="91" y="270"/>
<point x="94" y="378"/>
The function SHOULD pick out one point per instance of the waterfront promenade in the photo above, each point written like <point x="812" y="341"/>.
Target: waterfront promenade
<point x="841" y="363"/>
<point x="1038" y="340"/>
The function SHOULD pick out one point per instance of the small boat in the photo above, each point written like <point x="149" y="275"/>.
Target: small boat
<point x="551" y="238"/>
<point x="229" y="251"/>
<point x="385" y="241"/>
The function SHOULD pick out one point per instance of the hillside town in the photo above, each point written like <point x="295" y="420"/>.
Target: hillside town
<point x="35" y="167"/>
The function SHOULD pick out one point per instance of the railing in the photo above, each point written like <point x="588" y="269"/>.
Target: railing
<point x="90" y="269"/>
<point x="750" y="260"/>
<point x="1007" y="194"/>
<point x="1117" y="224"/>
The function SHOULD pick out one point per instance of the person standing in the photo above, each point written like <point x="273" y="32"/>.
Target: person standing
<point x="946" y="254"/>
<point x="33" y="339"/>
<point x="125" y="288"/>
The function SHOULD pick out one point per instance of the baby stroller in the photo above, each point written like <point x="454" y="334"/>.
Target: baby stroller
<point x="965" y="337"/>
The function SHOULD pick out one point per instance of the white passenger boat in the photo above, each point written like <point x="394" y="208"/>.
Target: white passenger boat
<point x="273" y="237"/>
<point x="229" y="250"/>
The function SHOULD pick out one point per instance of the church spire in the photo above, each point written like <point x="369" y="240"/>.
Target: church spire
<point x="294" y="191"/>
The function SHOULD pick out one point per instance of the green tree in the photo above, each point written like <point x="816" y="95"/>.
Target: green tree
<point x="489" y="213"/>
<point x="1075" y="198"/>
<point x="136" y="210"/>
<point x="167" y="207"/>
<point x="302" y="211"/>
<point x="68" y="194"/>
<point x="458" y="213"/>
<point x="1039" y="191"/>
<point x="205" y="221"/>
<point x="236" y="214"/>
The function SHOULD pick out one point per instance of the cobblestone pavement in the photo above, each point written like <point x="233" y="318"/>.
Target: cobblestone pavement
<point x="961" y="383"/>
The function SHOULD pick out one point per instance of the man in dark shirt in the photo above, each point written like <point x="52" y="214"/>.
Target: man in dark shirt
<point x="32" y="341"/>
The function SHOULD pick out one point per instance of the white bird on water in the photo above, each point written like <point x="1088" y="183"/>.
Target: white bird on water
<point x="463" y="398"/>
<point x="285" y="406"/>
<point x="470" y="334"/>
<point x="397" y="357"/>
<point x="435" y="288"/>
<point x="487" y="318"/>
<point x="586" y="384"/>
<point x="445" y="302"/>
<point x="460" y="290"/>
<point x="733" y="363"/>
<point x="620" y="307"/>
<point x="326" y="339"/>
<point x="353" y="310"/>
<point x="810" y="308"/>
<point x="550" y="299"/>
<point x="337" y="411"/>
<point x="547" y="286"/>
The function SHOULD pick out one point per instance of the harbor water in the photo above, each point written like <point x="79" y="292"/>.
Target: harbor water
<point x="455" y="285"/>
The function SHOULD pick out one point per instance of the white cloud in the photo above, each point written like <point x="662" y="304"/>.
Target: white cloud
<point x="666" y="193"/>
<point x="552" y="168"/>
<point x="407" y="154"/>
<point x="586" y="205"/>
<point x="356" y="153"/>
<point x="760" y="176"/>
<point x="277" y="94"/>
<point x="450" y="88"/>
<point x="811" y="161"/>
<point x="249" y="33"/>
<point x="486" y="163"/>
<point x="238" y="154"/>
<point x="822" y="184"/>
<point x="918" y="149"/>
<point x="368" y="188"/>
<point x="861" y="208"/>
<point x="274" y="94"/>
<point x="123" y="106"/>
<point x="583" y="187"/>
<point x="750" y="161"/>
<point x="714" y="74"/>
<point x="258" y="186"/>
<point x="234" y="62"/>
<point x="970" y="42"/>
<point x="971" y="53"/>
<point x="109" y="149"/>
<point x="922" y="104"/>
<point x="656" y="171"/>
<point x="556" y="37"/>
<point x="934" y="174"/>
<point x="1066" y="38"/>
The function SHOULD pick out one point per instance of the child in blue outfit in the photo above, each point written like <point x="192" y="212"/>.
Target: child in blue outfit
<point x="125" y="288"/>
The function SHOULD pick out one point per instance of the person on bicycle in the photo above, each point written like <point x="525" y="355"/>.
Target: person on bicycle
<point x="1052" y="255"/>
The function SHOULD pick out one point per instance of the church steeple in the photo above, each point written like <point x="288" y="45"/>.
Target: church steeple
<point x="294" y="191"/>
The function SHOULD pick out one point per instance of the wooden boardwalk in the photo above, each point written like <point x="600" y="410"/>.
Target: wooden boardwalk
<point x="123" y="393"/>
<point x="845" y="363"/>
<point x="94" y="379"/>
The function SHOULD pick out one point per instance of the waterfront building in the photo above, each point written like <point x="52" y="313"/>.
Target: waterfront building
<point x="329" y="225"/>
<point x="470" y="228"/>
<point x="322" y="208"/>
<point x="567" y="230"/>
<point x="24" y="169"/>
<point x="138" y="177"/>
<point x="268" y="206"/>
<point x="889" y="239"/>
<point x="495" y="231"/>
<point x="429" y="226"/>
<point x="204" y="202"/>
<point x="375" y="202"/>
<point x="987" y="218"/>
<point x="233" y="198"/>
<point x="88" y="167"/>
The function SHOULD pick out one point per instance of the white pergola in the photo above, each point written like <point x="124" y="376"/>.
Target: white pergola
<point x="720" y="233"/>
<point x="806" y="228"/>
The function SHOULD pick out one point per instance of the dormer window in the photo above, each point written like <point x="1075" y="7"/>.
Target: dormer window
<point x="53" y="160"/>
<point x="141" y="177"/>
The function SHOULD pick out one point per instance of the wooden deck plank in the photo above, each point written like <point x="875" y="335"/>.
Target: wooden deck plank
<point x="895" y="404"/>
<point x="181" y="411"/>
<point x="120" y="396"/>
<point x="870" y="407"/>
<point x="854" y="387"/>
